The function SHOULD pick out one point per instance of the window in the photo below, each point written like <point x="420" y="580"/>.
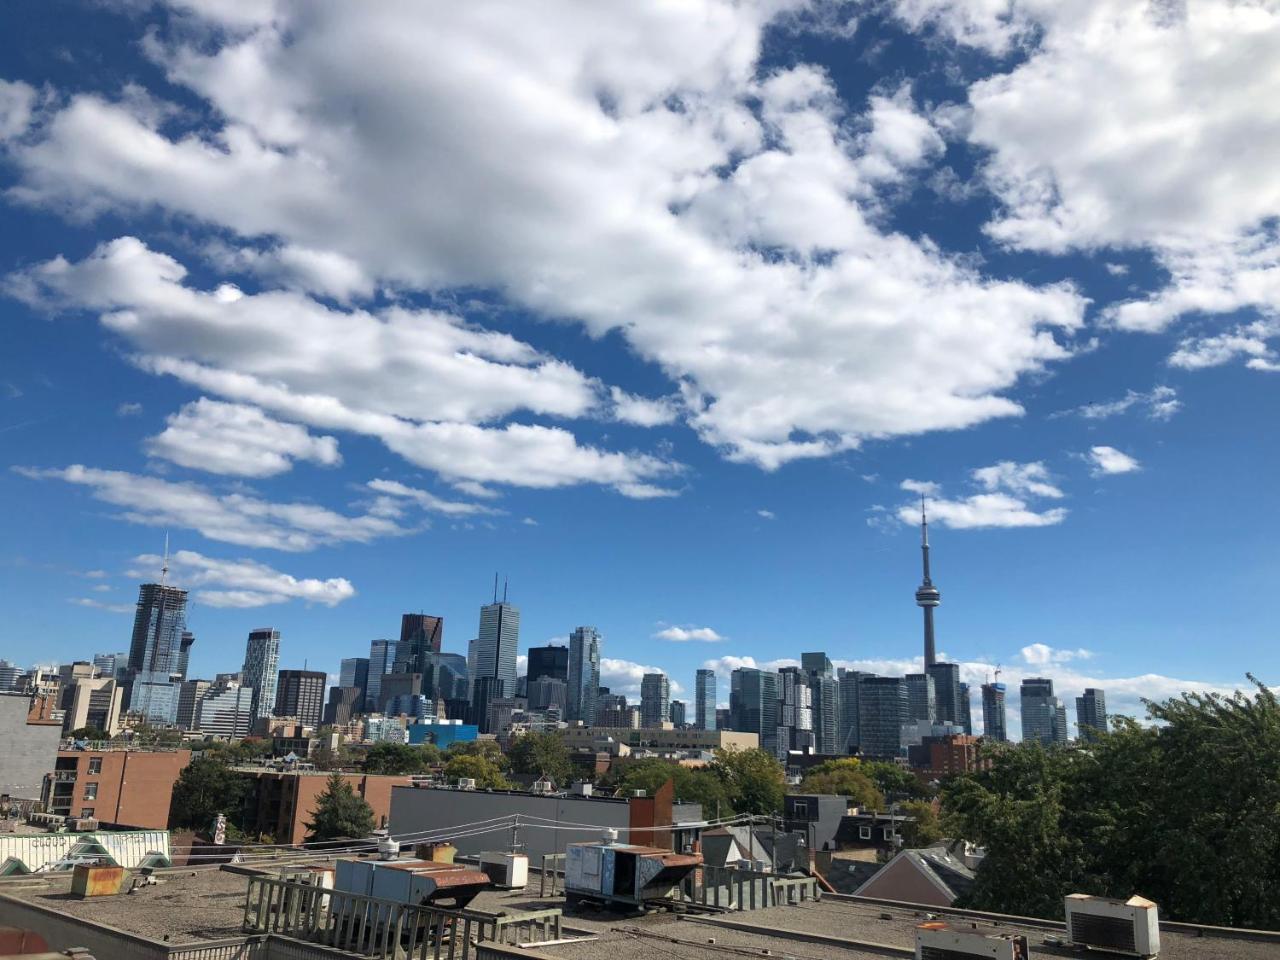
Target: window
<point x="86" y="812"/>
<point x="890" y="833"/>
<point x="91" y="791"/>
<point x="864" y="833"/>
<point x="800" y="808"/>
<point x="95" y="765"/>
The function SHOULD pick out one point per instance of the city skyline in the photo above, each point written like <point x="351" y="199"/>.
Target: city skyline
<point x="684" y="373"/>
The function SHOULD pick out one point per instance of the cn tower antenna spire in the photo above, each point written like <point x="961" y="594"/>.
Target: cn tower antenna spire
<point x="927" y="595"/>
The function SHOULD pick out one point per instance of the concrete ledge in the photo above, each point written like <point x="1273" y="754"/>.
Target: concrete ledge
<point x="870" y="946"/>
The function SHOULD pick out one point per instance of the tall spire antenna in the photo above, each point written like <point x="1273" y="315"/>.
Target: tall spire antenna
<point x="495" y="586"/>
<point x="927" y="595"/>
<point x="504" y="589"/>
<point x="164" y="567"/>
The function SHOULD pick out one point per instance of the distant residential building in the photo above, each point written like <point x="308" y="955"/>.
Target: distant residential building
<point x="825" y="694"/>
<point x="122" y="788"/>
<point x="550" y="661"/>
<point x="300" y="693"/>
<point x="724" y="718"/>
<point x="946" y="687"/>
<point x="10" y="676"/>
<point x="966" y="709"/>
<point x="442" y="733"/>
<point x="704" y="700"/>
<point x="849" y="733"/>
<point x="583" y="675"/>
<point x="795" y="712"/>
<point x="882" y="711"/>
<point x="353" y="672"/>
<point x="1043" y="715"/>
<point x="753" y="705"/>
<point x="922" y="703"/>
<point x="677" y="713"/>
<point x="655" y="699"/>
<point x="226" y="710"/>
<point x="611" y="710"/>
<point x="154" y="696"/>
<point x="107" y="664"/>
<point x="382" y="656"/>
<point x="189" y="695"/>
<point x="69" y="674"/>
<point x="993" y="712"/>
<point x="380" y="729"/>
<point x="281" y="804"/>
<point x="96" y="703"/>
<point x="261" y="666"/>
<point x="665" y="738"/>
<point x="1091" y="712"/>
<point x="944" y="756"/>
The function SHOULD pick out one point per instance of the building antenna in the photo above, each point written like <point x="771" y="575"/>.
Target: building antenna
<point x="504" y="589"/>
<point x="495" y="586"/>
<point x="164" y="566"/>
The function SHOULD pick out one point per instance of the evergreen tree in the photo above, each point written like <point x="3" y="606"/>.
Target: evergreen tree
<point x="340" y="813"/>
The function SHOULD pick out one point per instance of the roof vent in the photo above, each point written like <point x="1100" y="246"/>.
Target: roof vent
<point x="1122" y="926"/>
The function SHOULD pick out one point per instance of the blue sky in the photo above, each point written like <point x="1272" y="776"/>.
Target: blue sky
<point x="667" y="313"/>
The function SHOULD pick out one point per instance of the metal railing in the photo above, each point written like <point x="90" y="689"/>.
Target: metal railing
<point x="385" y="929"/>
<point x="726" y="888"/>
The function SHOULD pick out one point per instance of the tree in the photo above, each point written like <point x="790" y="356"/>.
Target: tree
<point x="206" y="787"/>
<point x="488" y="749"/>
<point x="1183" y="813"/>
<point x="924" y="827"/>
<point x="690" y="784"/>
<point x="846" y="778"/>
<point x="543" y="754"/>
<point x="340" y="813"/>
<point x="754" y="779"/>
<point x="895" y="782"/>
<point x="400" y="759"/>
<point x="484" y="771"/>
<point x="89" y="733"/>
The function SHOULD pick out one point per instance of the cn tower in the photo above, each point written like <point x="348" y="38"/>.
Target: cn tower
<point x="927" y="595"/>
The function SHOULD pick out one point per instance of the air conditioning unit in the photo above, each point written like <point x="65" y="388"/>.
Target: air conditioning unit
<point x="1120" y="926"/>
<point x="466" y="783"/>
<point x="508" y="871"/>
<point x="938" y="941"/>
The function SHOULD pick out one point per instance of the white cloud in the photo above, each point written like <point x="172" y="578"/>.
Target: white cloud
<point x="234" y="439"/>
<point x="641" y="411"/>
<point x="100" y="605"/>
<point x="100" y="588"/>
<point x="1249" y="340"/>
<point x="242" y="583"/>
<point x="624" y="676"/>
<point x="643" y="176"/>
<point x="17" y="100"/>
<point x="766" y="514"/>
<point x="529" y="522"/>
<point x="429" y="501"/>
<point x="1008" y="487"/>
<point x="1159" y="403"/>
<point x="1040" y="654"/>
<point x="235" y="517"/>
<point x="687" y="634"/>
<point x="1108" y="460"/>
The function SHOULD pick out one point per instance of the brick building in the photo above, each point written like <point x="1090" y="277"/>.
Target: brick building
<point x="938" y="757"/>
<point x="280" y="802"/>
<point x="122" y="788"/>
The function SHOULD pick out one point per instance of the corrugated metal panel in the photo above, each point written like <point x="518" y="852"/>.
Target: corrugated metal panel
<point x="43" y="850"/>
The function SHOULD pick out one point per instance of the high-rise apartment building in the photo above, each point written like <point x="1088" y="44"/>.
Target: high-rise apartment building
<point x="795" y="712"/>
<point x="584" y="675"/>
<point x="704" y="700"/>
<point x="546" y="692"/>
<point x="11" y="675"/>
<point x="966" y="710"/>
<point x="1091" y="712"/>
<point x="183" y="664"/>
<point x="189" y="695"/>
<point x="1043" y="715"/>
<point x="420" y="634"/>
<point x="753" y="705"/>
<point x="655" y="699"/>
<point x="550" y="661"/>
<point x="824" y="691"/>
<point x="946" y="689"/>
<point x="261" y="665"/>
<point x="816" y="665"/>
<point x="922" y="701"/>
<point x="677" y="713"/>
<point x="849" y="735"/>
<point x="300" y="693"/>
<point x="158" y="626"/>
<point x="882" y="712"/>
<point x="109" y="664"/>
<point x="226" y="710"/>
<point x="993" y="712"/>
<point x="382" y="656"/>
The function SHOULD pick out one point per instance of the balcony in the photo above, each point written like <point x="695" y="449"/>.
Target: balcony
<point x="63" y="776"/>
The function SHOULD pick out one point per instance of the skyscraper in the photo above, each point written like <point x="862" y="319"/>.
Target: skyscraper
<point x="849" y="733"/>
<point x="496" y="642"/>
<point x="927" y="595"/>
<point x="261" y="662"/>
<point x="882" y="711"/>
<point x="922" y="700"/>
<point x="382" y="655"/>
<point x="226" y="710"/>
<point x="824" y="693"/>
<point x="946" y="689"/>
<point x="704" y="700"/>
<point x="550" y="662"/>
<point x="158" y="625"/>
<point x="993" y="712"/>
<point x="584" y="674"/>
<point x="1091" y="712"/>
<point x="420" y="634"/>
<point x="966" y="710"/>
<point x="677" y="713"/>
<point x="816" y="664"/>
<point x="185" y="643"/>
<point x="655" y="699"/>
<point x="753" y="704"/>
<point x="354" y="673"/>
<point x="1041" y="712"/>
<point x="300" y="693"/>
<point x="795" y="712"/>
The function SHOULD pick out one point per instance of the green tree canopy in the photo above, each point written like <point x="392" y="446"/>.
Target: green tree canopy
<point x="1186" y="813"/>
<point x="894" y="781"/>
<point x="690" y="784"/>
<point x="488" y="749"/>
<point x="90" y="733"/>
<point x="205" y="788"/>
<point x="400" y="759"/>
<point x="541" y="754"/>
<point x="484" y="771"/>
<point x="754" y="779"/>
<point x="845" y="777"/>
<point x="924" y="827"/>
<point x="340" y="813"/>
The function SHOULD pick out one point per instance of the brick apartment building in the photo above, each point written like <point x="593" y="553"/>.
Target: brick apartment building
<point x="122" y="788"/>
<point x="938" y="757"/>
<point x="280" y="803"/>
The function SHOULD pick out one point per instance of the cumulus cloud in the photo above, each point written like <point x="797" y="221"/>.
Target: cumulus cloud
<point x="645" y="177"/>
<point x="687" y="634"/>
<point x="101" y="605"/>
<point x="128" y="409"/>
<point x="1250" y="341"/>
<point x="241" y="583"/>
<point x="235" y="517"/>
<point x="17" y="100"/>
<point x="1040" y="654"/>
<point x="429" y="501"/>
<point x="766" y="514"/>
<point x="624" y="676"/>
<point x="1158" y="403"/>
<point x="1008" y="489"/>
<point x="238" y="440"/>
<point x="1108" y="460"/>
<point x="641" y="411"/>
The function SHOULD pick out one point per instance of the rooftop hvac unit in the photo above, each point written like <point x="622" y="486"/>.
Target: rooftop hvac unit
<point x="466" y="783"/>
<point x="938" y="941"/>
<point x="543" y="787"/>
<point x="508" y="871"/>
<point x="1120" y="926"/>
